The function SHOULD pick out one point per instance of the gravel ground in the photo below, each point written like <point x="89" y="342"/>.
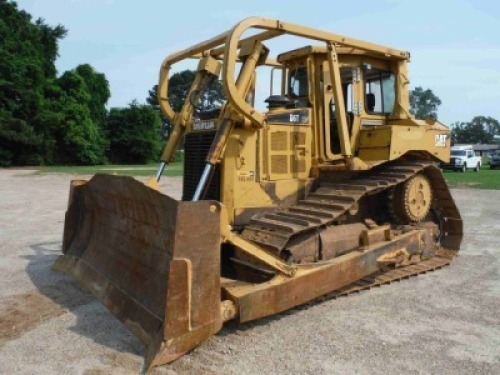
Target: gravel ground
<point x="445" y="322"/>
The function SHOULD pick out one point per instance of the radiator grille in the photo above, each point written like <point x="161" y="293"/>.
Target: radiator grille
<point x="278" y="141"/>
<point x="297" y="165"/>
<point x="297" y="139"/>
<point x="196" y="147"/>
<point x="279" y="164"/>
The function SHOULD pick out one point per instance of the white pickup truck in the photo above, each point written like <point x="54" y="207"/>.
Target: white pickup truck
<point x="463" y="158"/>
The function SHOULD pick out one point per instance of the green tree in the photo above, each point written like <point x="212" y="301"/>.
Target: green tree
<point x="19" y="144"/>
<point x="424" y="103"/>
<point x="179" y="85"/>
<point x="481" y="129"/>
<point x="79" y="137"/>
<point x="98" y="87"/>
<point x="72" y="117"/>
<point x="28" y="51"/>
<point x="73" y="136"/>
<point x="134" y="134"/>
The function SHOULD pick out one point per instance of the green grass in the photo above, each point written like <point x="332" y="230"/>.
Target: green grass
<point x="173" y="169"/>
<point x="484" y="179"/>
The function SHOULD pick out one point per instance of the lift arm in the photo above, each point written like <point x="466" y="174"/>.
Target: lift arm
<point x="208" y="69"/>
<point x="226" y="122"/>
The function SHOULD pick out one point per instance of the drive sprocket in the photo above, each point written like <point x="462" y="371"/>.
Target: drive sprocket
<point x="410" y="201"/>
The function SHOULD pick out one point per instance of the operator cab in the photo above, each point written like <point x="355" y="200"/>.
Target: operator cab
<point x="368" y="88"/>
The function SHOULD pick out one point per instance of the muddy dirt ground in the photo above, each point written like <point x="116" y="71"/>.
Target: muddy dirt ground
<point x="445" y="322"/>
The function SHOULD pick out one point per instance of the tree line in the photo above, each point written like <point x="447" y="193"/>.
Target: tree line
<point x="46" y="118"/>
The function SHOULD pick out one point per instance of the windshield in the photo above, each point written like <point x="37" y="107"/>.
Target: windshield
<point x="458" y="153"/>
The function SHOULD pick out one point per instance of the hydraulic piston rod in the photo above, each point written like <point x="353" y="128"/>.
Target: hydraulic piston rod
<point x="208" y="69"/>
<point x="218" y="146"/>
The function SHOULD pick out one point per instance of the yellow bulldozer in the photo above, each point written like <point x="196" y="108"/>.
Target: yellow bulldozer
<point x="331" y="189"/>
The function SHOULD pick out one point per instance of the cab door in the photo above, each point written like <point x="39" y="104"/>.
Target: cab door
<point x="351" y="84"/>
<point x="288" y="138"/>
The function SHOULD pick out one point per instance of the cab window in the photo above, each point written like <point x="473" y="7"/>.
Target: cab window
<point x="298" y="85"/>
<point x="380" y="91"/>
<point x="457" y="153"/>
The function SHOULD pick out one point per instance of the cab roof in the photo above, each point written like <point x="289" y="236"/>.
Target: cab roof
<point x="310" y="50"/>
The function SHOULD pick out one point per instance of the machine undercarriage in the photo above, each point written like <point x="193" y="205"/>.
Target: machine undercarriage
<point x="348" y="216"/>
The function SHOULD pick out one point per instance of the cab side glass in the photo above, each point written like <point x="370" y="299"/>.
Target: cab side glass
<point x="380" y="91"/>
<point x="299" y="87"/>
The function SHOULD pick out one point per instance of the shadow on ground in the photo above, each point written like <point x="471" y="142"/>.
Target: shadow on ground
<point x="92" y="319"/>
<point x="63" y="294"/>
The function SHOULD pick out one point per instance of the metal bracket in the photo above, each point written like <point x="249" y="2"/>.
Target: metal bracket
<point x="260" y="254"/>
<point x="252" y="249"/>
<point x="356" y="108"/>
<point x="356" y="76"/>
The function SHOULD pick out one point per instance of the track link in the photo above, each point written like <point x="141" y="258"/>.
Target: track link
<point x="388" y="276"/>
<point x="331" y="201"/>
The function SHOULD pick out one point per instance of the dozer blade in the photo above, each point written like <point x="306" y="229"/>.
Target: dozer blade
<point x="153" y="261"/>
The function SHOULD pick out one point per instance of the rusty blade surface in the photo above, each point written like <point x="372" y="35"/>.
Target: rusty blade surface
<point x="154" y="262"/>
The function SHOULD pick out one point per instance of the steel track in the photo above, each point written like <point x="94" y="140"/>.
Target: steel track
<point x="331" y="201"/>
<point x="388" y="276"/>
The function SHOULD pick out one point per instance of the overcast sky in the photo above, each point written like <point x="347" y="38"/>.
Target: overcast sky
<point x="455" y="44"/>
